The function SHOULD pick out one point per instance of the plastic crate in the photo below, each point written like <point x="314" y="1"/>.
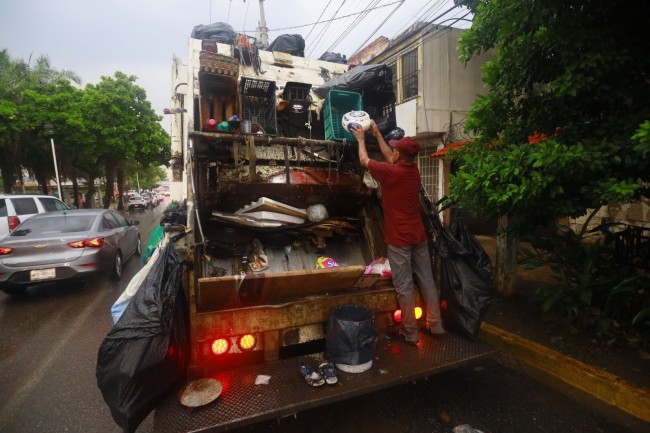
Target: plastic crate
<point x="258" y="103"/>
<point x="380" y="106"/>
<point x="337" y="103"/>
<point x="296" y="91"/>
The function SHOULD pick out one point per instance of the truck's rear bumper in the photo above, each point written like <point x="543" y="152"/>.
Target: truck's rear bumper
<point x="243" y="403"/>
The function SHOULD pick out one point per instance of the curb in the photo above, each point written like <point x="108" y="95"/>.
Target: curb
<point x="601" y="385"/>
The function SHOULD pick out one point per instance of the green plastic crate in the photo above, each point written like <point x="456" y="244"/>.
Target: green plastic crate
<point x="337" y="103"/>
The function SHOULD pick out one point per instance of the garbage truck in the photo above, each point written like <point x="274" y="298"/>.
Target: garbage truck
<point x="284" y="228"/>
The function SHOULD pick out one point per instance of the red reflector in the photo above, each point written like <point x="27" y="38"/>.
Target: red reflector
<point x="90" y="243"/>
<point x="13" y="221"/>
<point x="5" y="250"/>
<point x="220" y="346"/>
<point x="246" y="342"/>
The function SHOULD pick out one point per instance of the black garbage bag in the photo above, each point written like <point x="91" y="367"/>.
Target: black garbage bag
<point x="174" y="215"/>
<point x="377" y="77"/>
<point x="333" y="57"/>
<point x="145" y="353"/>
<point x="467" y="288"/>
<point x="289" y="44"/>
<point x="218" y="32"/>
<point x="351" y="336"/>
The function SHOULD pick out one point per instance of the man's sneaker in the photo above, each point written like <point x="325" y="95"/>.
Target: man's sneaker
<point x="437" y="331"/>
<point x="398" y="336"/>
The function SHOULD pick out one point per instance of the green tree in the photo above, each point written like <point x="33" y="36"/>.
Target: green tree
<point x="125" y="127"/>
<point x="568" y="89"/>
<point x="57" y="104"/>
<point x="17" y="78"/>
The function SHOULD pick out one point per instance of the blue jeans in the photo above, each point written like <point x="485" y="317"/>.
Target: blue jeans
<point x="404" y="262"/>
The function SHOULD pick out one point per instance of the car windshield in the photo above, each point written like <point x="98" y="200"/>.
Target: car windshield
<point x="58" y="224"/>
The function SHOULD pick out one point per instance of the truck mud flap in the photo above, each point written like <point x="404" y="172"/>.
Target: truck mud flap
<point x="243" y="403"/>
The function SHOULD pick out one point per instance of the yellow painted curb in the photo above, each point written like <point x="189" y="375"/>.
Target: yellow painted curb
<point x="604" y="386"/>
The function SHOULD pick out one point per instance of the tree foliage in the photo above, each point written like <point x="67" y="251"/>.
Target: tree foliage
<point x="568" y="89"/>
<point x="99" y="132"/>
<point x="124" y="126"/>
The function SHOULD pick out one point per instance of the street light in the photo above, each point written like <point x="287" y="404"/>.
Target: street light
<point x="49" y="130"/>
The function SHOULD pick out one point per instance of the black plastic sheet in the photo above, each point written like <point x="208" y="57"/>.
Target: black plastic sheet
<point x="146" y="352"/>
<point x="360" y="78"/>
<point x="351" y="336"/>
<point x="289" y="44"/>
<point x="467" y="288"/>
<point x="218" y="32"/>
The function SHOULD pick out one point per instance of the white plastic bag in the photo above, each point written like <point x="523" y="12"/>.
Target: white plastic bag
<point x="120" y="305"/>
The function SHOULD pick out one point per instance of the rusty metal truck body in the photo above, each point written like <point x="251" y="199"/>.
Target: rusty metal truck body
<point x="267" y="272"/>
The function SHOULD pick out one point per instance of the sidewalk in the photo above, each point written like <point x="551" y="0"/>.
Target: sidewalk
<point x="611" y="389"/>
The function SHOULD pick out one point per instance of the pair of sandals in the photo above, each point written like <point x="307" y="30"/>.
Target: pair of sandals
<point x="326" y="374"/>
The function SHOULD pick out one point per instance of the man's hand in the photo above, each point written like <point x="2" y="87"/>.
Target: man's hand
<point x="358" y="132"/>
<point x="374" y="129"/>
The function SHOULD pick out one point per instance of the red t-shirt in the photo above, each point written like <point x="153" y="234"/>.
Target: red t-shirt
<point x="400" y="192"/>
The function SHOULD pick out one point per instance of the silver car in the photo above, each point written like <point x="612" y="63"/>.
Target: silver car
<point x="66" y="245"/>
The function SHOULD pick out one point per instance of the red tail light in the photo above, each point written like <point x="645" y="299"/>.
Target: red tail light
<point x="397" y="315"/>
<point x="14" y="221"/>
<point x="90" y="243"/>
<point x="220" y="346"/>
<point x="5" y="250"/>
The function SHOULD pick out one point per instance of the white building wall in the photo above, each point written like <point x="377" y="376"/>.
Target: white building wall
<point x="448" y="86"/>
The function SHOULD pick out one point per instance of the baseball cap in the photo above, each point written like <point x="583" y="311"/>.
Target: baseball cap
<point x="406" y="145"/>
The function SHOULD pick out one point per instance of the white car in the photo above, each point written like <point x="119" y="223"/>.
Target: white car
<point x="137" y="202"/>
<point x="15" y="208"/>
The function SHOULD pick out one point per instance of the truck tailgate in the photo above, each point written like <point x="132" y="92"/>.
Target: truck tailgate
<point x="242" y="402"/>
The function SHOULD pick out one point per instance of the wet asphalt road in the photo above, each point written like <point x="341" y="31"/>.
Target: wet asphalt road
<point x="49" y="338"/>
<point x="48" y="352"/>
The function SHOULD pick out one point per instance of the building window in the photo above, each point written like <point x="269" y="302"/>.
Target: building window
<point x="410" y="75"/>
<point x="393" y="69"/>
<point x="430" y="172"/>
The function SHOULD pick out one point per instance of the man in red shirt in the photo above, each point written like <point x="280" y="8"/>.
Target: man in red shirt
<point x="404" y="232"/>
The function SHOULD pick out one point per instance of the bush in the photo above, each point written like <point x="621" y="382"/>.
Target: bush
<point x="590" y="286"/>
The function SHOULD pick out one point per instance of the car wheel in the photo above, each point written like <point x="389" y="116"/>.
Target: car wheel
<point x="117" y="266"/>
<point x="138" y="248"/>
<point x="14" y="290"/>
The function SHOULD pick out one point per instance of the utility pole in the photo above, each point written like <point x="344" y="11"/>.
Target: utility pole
<point x="49" y="130"/>
<point x="262" y="30"/>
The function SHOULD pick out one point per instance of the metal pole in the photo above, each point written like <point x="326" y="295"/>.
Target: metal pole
<point x="56" y="169"/>
<point x="137" y="180"/>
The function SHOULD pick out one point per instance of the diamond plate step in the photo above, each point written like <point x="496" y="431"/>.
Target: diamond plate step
<point x="243" y="403"/>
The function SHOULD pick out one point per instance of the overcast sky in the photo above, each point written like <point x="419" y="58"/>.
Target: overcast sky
<point x="139" y="37"/>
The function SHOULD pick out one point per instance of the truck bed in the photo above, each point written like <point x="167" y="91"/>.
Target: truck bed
<point x="243" y="403"/>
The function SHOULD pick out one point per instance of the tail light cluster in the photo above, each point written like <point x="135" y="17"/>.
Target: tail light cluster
<point x="87" y="243"/>
<point x="5" y="250"/>
<point x="14" y="222"/>
<point x="397" y="315"/>
<point x="224" y="345"/>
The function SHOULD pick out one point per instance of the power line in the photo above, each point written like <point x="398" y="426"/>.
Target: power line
<point x="333" y="19"/>
<point x="322" y="32"/>
<point x="378" y="27"/>
<point x="353" y="24"/>
<point x="318" y="20"/>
